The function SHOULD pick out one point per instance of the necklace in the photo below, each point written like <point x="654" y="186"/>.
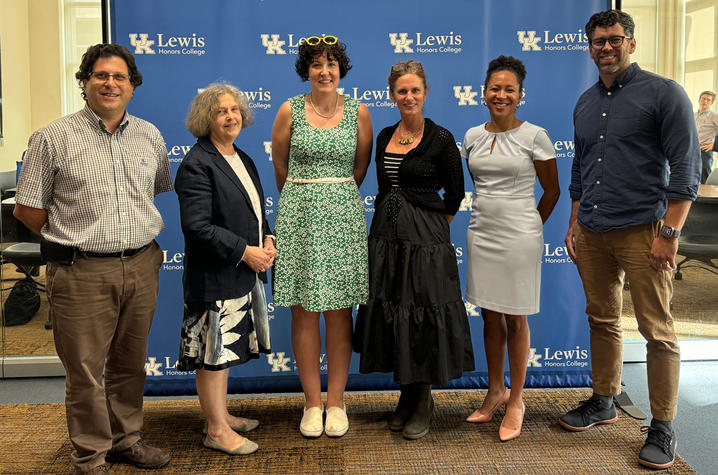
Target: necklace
<point x="336" y="106"/>
<point x="408" y="140"/>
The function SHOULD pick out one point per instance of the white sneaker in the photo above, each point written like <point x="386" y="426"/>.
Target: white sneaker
<point x="337" y="423"/>
<point x="312" y="423"/>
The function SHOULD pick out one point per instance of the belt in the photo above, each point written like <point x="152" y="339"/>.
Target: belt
<point x="120" y="254"/>
<point x="325" y="180"/>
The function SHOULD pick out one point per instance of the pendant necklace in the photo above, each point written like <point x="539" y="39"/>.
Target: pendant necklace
<point x="336" y="106"/>
<point x="408" y="140"/>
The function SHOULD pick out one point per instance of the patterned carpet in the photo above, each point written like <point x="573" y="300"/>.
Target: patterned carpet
<point x="33" y="439"/>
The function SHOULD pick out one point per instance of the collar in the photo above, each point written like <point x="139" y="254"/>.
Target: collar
<point x="99" y="124"/>
<point x="209" y="147"/>
<point x="624" y="78"/>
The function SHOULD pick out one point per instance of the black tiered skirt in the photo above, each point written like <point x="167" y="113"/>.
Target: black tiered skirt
<point x="414" y="323"/>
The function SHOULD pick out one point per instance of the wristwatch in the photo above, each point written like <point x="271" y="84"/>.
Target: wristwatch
<point x="669" y="232"/>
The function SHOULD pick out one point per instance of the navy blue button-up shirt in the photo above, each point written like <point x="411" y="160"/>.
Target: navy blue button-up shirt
<point x="636" y="147"/>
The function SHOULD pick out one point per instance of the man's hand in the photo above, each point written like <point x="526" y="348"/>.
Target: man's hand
<point x="570" y="238"/>
<point x="707" y="147"/>
<point x="570" y="241"/>
<point x="663" y="253"/>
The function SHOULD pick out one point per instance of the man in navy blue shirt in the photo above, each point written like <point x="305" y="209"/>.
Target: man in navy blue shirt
<point x="635" y="173"/>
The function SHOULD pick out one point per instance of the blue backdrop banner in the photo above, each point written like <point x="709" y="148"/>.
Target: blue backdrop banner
<point x="183" y="45"/>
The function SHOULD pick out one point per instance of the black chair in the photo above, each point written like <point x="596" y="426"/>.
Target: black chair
<point x="27" y="258"/>
<point x="698" y="243"/>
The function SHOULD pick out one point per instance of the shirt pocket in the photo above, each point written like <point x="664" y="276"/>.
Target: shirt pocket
<point x="141" y="171"/>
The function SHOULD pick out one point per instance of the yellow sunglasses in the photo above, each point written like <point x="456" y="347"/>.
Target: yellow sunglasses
<point x="315" y="40"/>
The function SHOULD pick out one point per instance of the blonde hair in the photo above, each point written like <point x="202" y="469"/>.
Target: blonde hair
<point x="406" y="67"/>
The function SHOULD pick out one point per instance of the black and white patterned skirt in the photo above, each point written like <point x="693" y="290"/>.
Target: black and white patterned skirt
<point x="224" y="333"/>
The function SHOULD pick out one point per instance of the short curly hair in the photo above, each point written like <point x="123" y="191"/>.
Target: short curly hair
<point x="609" y="18"/>
<point x="507" y="63"/>
<point x="106" y="50"/>
<point x="204" y="107"/>
<point x="406" y="67"/>
<point x="307" y="53"/>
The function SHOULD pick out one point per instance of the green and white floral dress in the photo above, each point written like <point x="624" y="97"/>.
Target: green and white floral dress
<point x="321" y="228"/>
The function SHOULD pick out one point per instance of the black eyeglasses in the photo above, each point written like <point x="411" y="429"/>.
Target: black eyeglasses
<point x="103" y="76"/>
<point x="614" y="41"/>
<point x="315" y="40"/>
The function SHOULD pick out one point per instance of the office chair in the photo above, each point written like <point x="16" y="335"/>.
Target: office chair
<point x="698" y="243"/>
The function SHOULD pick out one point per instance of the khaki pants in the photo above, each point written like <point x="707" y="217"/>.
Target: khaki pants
<point x="602" y="260"/>
<point x="102" y="309"/>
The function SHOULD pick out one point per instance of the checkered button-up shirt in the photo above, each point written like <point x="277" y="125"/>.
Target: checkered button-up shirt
<point x="97" y="187"/>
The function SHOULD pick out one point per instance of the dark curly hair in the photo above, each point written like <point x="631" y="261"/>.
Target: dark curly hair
<point x="106" y="50"/>
<point x="507" y="63"/>
<point x="610" y="18"/>
<point x="307" y="53"/>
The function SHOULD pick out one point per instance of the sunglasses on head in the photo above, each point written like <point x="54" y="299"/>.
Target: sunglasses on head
<point x="315" y="40"/>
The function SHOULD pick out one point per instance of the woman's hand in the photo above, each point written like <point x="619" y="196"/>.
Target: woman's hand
<point x="269" y="246"/>
<point x="259" y="259"/>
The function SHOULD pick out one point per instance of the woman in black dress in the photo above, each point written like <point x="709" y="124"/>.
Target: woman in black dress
<point x="415" y="322"/>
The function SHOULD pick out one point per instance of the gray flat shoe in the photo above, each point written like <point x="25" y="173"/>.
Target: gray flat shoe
<point x="246" y="426"/>
<point x="248" y="447"/>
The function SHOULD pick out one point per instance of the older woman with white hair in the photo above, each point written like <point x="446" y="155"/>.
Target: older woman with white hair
<point x="228" y="249"/>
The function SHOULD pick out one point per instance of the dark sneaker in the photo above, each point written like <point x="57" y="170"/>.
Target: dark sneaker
<point x="140" y="455"/>
<point x="659" y="451"/>
<point x="591" y="412"/>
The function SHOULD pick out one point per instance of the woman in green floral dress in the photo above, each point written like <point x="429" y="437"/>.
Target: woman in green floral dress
<point x="321" y="148"/>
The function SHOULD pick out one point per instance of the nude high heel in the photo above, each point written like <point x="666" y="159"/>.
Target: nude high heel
<point x="479" y="417"/>
<point x="507" y="433"/>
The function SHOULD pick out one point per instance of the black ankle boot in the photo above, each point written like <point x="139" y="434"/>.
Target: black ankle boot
<point x="403" y="411"/>
<point x="418" y="424"/>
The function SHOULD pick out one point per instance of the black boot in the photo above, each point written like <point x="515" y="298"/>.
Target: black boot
<point x="418" y="424"/>
<point x="403" y="411"/>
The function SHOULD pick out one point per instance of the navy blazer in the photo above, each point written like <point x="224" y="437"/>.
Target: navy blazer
<point x="218" y="223"/>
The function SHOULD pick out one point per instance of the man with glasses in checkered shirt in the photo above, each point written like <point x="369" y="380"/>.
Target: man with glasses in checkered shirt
<point x="87" y="186"/>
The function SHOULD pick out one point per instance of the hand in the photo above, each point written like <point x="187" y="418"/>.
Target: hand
<point x="269" y="246"/>
<point x="663" y="253"/>
<point x="707" y="147"/>
<point x="257" y="258"/>
<point x="570" y="241"/>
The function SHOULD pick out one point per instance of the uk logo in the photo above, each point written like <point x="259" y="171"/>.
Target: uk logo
<point x="278" y="362"/>
<point x="401" y="42"/>
<point x="466" y="96"/>
<point x="152" y="367"/>
<point x="534" y="358"/>
<point x="529" y="40"/>
<point x="143" y="45"/>
<point x="471" y="309"/>
<point x="273" y="44"/>
<point x="467" y="201"/>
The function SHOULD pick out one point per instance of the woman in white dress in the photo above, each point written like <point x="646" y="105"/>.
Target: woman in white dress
<point x="505" y="237"/>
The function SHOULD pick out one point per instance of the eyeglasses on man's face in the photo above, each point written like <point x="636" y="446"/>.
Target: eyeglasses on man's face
<point x="327" y="40"/>
<point x="103" y="76"/>
<point x="614" y="41"/>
